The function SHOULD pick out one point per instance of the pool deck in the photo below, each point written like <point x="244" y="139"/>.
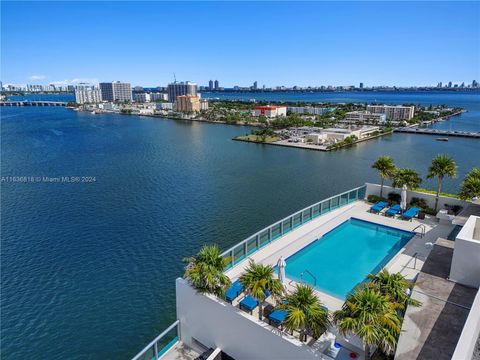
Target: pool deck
<point x="408" y="261"/>
<point x="432" y="330"/>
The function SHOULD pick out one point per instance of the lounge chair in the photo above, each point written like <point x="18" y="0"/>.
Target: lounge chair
<point x="234" y="290"/>
<point x="379" y="206"/>
<point x="277" y="317"/>
<point x="393" y="210"/>
<point x="249" y="303"/>
<point x="410" y="213"/>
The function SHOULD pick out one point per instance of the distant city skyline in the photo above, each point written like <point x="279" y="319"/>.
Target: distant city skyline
<point x="291" y="44"/>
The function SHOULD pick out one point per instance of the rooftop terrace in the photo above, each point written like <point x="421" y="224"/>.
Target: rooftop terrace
<point x="218" y="324"/>
<point x="408" y="261"/>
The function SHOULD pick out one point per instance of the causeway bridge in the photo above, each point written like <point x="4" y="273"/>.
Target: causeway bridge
<point x="32" y="103"/>
<point x="438" y="132"/>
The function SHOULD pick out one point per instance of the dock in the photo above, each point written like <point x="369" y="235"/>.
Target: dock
<point x="436" y="132"/>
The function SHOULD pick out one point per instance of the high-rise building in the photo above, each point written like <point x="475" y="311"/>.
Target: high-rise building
<point x="187" y="103"/>
<point x="86" y="93"/>
<point x="116" y="91"/>
<point x="216" y="85"/>
<point x="361" y="86"/>
<point x="474" y="84"/>
<point x="255" y="85"/>
<point x="181" y="88"/>
<point x="394" y="113"/>
<point x="439" y="85"/>
<point x="210" y="85"/>
<point x="449" y="84"/>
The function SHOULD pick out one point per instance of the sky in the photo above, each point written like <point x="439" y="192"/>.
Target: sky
<point x="274" y="43"/>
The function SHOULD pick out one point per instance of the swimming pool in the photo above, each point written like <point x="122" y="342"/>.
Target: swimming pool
<point x="343" y="257"/>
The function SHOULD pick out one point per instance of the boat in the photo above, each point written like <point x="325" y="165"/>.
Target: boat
<point x="441" y="139"/>
<point x="93" y="112"/>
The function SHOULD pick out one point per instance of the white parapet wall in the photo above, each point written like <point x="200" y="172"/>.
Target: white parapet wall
<point x="470" y="333"/>
<point x="215" y="323"/>
<point x="374" y="189"/>
<point x="465" y="267"/>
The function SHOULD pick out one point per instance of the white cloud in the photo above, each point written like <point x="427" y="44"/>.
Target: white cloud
<point x="61" y="82"/>
<point x="85" y="80"/>
<point x="37" y="77"/>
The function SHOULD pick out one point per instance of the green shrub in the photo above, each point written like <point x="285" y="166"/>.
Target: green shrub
<point x="394" y="198"/>
<point x="418" y="202"/>
<point x="429" y="211"/>
<point x="375" y="198"/>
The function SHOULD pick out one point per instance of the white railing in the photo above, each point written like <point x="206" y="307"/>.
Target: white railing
<point x="159" y="345"/>
<point x="265" y="236"/>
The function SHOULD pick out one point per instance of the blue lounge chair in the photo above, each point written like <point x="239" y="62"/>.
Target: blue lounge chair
<point x="277" y="317"/>
<point x="410" y="213"/>
<point x="234" y="290"/>
<point x="379" y="206"/>
<point x="249" y="303"/>
<point x="394" y="210"/>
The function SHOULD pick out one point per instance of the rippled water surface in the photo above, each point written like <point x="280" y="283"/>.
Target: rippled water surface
<point x="88" y="269"/>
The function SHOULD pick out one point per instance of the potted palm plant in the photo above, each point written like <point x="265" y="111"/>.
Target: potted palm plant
<point x="372" y="317"/>
<point x="258" y="281"/>
<point x="305" y="312"/>
<point x="205" y="270"/>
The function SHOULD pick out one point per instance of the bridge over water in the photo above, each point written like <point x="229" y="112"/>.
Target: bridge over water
<point x="415" y="130"/>
<point x="32" y="103"/>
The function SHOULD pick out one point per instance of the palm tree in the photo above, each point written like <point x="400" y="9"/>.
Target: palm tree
<point x="205" y="271"/>
<point x="386" y="169"/>
<point x="441" y="166"/>
<point x="257" y="280"/>
<point x="305" y="312"/>
<point x="395" y="286"/>
<point x="471" y="185"/>
<point x="372" y="317"/>
<point x="407" y="177"/>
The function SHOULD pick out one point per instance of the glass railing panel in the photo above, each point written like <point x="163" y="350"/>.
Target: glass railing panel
<point x="276" y="231"/>
<point x="334" y="202"/>
<point x="287" y="225"/>
<point x="361" y="192"/>
<point x="252" y="245"/>
<point x="316" y="210"/>
<point x="352" y="196"/>
<point x="343" y="199"/>
<point x="297" y="220"/>
<point x="167" y="341"/>
<point x="161" y="344"/>
<point x="239" y="253"/>
<point x="264" y="239"/>
<point x="325" y="206"/>
<point x="148" y="354"/>
<point x="306" y="215"/>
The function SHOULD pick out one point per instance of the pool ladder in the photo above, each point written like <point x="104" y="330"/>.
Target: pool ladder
<point x="308" y="272"/>
<point x="422" y="228"/>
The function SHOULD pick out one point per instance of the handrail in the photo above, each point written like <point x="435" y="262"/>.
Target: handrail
<point x="279" y="222"/>
<point x="422" y="227"/>
<point x="308" y="272"/>
<point x="154" y="341"/>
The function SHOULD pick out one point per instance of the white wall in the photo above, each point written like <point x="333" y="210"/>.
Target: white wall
<point x="465" y="267"/>
<point x="217" y="324"/>
<point x="470" y="333"/>
<point x="374" y="189"/>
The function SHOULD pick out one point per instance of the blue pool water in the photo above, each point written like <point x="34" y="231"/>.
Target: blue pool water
<point x="343" y="257"/>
